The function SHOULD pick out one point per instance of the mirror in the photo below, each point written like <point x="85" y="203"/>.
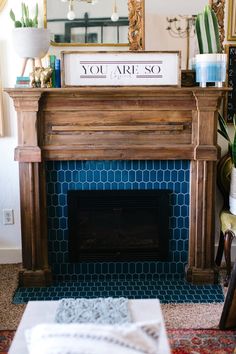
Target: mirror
<point x="171" y="24"/>
<point x="95" y="22"/>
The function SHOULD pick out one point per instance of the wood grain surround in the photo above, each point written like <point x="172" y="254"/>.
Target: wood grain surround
<point x="93" y="123"/>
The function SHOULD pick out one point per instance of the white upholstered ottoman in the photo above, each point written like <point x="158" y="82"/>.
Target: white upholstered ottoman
<point x="38" y="312"/>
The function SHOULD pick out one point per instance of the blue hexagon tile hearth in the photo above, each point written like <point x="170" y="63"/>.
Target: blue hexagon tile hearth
<point x="163" y="280"/>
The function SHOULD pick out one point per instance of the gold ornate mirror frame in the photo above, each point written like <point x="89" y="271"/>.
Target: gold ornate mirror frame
<point x="219" y="8"/>
<point x="2" y="4"/>
<point x="135" y="31"/>
<point x="136" y="24"/>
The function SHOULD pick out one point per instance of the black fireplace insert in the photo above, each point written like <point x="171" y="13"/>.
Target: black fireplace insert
<point x="118" y="225"/>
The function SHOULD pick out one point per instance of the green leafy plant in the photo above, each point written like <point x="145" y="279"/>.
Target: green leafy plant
<point x="223" y="131"/>
<point x="26" y="21"/>
<point x="207" y="30"/>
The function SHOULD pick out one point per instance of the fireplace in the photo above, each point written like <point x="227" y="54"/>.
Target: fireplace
<point x="69" y="125"/>
<point x="118" y="225"/>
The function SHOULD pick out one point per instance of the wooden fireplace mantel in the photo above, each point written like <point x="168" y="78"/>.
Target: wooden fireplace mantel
<point x="94" y="123"/>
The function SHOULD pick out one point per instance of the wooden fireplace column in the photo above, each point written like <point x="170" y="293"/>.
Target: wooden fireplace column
<point x="94" y="123"/>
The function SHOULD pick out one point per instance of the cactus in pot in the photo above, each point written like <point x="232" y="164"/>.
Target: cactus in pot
<point x="29" y="40"/>
<point x="26" y="21"/>
<point x="207" y="30"/>
<point x="210" y="63"/>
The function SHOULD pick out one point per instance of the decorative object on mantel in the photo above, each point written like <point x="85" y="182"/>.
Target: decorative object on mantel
<point x="41" y="77"/>
<point x="121" y="68"/>
<point x="210" y="63"/>
<point x="30" y="42"/>
<point x="181" y="27"/>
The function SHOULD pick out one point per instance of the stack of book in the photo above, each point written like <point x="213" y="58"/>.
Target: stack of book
<point x="22" y="82"/>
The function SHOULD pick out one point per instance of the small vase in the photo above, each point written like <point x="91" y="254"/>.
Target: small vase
<point x="232" y="193"/>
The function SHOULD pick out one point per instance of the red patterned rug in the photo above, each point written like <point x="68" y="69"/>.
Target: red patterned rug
<point x="182" y="341"/>
<point x="5" y="340"/>
<point x="202" y="341"/>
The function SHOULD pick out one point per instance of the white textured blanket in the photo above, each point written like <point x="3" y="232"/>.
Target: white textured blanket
<point x="135" y="338"/>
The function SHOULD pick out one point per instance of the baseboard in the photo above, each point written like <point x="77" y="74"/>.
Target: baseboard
<point x="10" y="255"/>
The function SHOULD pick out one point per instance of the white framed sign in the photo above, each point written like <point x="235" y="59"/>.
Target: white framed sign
<point x="121" y="68"/>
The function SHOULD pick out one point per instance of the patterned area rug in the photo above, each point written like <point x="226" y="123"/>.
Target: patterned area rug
<point x="182" y="341"/>
<point x="185" y="341"/>
<point x="5" y="341"/>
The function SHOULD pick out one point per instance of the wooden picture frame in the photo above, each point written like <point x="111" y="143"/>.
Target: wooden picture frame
<point x="230" y="100"/>
<point x="232" y="21"/>
<point x="138" y="68"/>
<point x="228" y="316"/>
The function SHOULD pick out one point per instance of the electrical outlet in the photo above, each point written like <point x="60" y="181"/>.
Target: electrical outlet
<point x="8" y="216"/>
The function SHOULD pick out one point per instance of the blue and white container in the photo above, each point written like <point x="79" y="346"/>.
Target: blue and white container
<point x="211" y="68"/>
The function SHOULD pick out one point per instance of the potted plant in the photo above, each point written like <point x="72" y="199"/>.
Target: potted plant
<point x="29" y="40"/>
<point x="223" y="131"/>
<point x="211" y="62"/>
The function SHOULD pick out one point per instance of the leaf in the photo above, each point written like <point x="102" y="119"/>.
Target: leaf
<point x="199" y="37"/>
<point x="201" y="33"/>
<point x="217" y="34"/>
<point x="12" y="15"/>
<point x="208" y="28"/>
<point x="35" y="22"/>
<point x="225" y="136"/>
<point x="233" y="149"/>
<point x="18" y="24"/>
<point x="223" y="128"/>
<point x="36" y="10"/>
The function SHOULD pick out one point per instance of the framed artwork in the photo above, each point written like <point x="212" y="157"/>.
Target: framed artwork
<point x="228" y="316"/>
<point x="232" y="21"/>
<point x="120" y="68"/>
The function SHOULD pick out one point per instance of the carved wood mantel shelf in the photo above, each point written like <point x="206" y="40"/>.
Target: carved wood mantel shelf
<point x="117" y="123"/>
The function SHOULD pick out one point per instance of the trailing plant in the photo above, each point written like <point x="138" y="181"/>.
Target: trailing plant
<point x="26" y="21"/>
<point x="223" y="131"/>
<point x="207" y="30"/>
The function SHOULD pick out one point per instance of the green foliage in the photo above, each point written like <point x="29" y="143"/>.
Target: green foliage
<point x="207" y="30"/>
<point x="223" y="131"/>
<point x="25" y="21"/>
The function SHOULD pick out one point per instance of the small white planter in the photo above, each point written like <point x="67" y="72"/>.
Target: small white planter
<point x="31" y="42"/>
<point x="232" y="193"/>
<point x="211" y="68"/>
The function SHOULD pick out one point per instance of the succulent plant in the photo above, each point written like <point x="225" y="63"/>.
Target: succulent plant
<point x="207" y="30"/>
<point x="223" y="131"/>
<point x="26" y="21"/>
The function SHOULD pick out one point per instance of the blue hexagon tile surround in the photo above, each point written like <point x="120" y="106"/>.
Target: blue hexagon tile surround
<point x="163" y="280"/>
<point x="117" y="175"/>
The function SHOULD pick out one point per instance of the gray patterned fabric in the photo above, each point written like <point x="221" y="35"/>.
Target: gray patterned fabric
<point x="100" y="310"/>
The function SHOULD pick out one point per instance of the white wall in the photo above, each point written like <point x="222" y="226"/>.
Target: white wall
<point x="10" y="238"/>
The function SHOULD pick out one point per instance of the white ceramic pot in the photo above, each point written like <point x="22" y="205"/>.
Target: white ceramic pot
<point x="211" y="68"/>
<point x="232" y="192"/>
<point x="31" y="42"/>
